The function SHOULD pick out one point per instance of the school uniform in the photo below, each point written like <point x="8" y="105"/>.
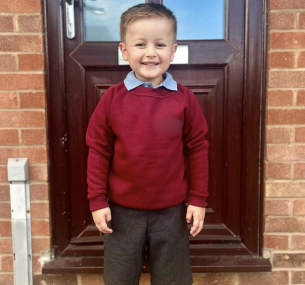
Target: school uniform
<point x="138" y="138"/>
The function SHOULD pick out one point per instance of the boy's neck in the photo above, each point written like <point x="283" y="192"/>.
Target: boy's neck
<point x="153" y="84"/>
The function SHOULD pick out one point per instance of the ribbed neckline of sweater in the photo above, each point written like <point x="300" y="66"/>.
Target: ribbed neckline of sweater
<point x="151" y="92"/>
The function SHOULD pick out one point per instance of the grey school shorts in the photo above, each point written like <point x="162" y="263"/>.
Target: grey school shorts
<point x="166" y="236"/>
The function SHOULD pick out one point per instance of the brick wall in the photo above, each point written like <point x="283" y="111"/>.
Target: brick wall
<point x="23" y="133"/>
<point x="23" y="122"/>
<point x="285" y="157"/>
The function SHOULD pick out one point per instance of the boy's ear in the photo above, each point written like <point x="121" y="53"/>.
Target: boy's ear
<point x="123" y="51"/>
<point x="174" y="49"/>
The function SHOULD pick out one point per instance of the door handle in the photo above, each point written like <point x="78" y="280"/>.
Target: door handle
<point x="70" y="22"/>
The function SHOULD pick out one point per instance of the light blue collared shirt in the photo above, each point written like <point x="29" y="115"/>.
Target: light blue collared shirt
<point x="132" y="82"/>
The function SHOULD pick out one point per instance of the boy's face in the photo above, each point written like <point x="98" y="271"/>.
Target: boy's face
<point x="149" y="48"/>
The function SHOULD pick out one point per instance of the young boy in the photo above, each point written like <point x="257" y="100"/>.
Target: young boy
<point x="138" y="136"/>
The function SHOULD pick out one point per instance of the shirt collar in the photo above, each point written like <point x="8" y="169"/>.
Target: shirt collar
<point x="132" y="82"/>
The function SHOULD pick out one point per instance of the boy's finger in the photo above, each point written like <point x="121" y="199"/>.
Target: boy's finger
<point x="108" y="217"/>
<point x="188" y="216"/>
<point x="199" y="228"/>
<point x="195" y="226"/>
<point x="105" y="228"/>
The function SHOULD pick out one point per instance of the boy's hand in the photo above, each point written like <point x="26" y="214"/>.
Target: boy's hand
<point x="101" y="217"/>
<point x="198" y="213"/>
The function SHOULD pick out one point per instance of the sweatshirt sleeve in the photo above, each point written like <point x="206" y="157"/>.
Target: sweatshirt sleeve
<point x="99" y="139"/>
<point x="196" y="148"/>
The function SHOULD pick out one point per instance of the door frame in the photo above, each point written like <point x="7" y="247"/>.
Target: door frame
<point x="255" y="80"/>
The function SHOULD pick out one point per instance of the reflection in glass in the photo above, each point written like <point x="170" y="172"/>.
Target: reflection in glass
<point x="199" y="19"/>
<point x="102" y="18"/>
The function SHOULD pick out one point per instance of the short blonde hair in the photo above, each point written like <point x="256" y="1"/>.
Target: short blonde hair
<point x="147" y="10"/>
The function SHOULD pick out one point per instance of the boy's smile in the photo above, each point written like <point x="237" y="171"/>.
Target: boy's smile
<point x="149" y="47"/>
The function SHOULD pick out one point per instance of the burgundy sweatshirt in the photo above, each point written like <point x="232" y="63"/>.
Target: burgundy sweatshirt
<point x="137" y="142"/>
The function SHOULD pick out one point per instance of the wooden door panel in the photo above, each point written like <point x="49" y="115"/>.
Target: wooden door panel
<point x="216" y="53"/>
<point x="98" y="63"/>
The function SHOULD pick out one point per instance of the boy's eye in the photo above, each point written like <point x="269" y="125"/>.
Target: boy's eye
<point x="160" y="45"/>
<point x="139" y="45"/>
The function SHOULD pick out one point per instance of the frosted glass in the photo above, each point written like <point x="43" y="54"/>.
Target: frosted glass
<point x="199" y="19"/>
<point x="102" y="18"/>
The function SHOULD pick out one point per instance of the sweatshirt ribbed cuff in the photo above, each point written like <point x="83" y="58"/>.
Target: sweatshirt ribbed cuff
<point x="197" y="199"/>
<point x="97" y="203"/>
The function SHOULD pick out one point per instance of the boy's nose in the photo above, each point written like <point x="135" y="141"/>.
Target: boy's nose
<point x="150" y="51"/>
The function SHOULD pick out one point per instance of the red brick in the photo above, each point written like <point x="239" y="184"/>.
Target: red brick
<point x="299" y="207"/>
<point x="281" y="59"/>
<point x="34" y="154"/>
<point x="8" y="62"/>
<point x="31" y="61"/>
<point x="276" y="242"/>
<point x="97" y="279"/>
<point x="39" y="192"/>
<point x="279" y="135"/>
<point x="7" y="263"/>
<point x="5" y="229"/>
<point x="289" y="260"/>
<point x="302" y="20"/>
<point x="286" y="116"/>
<point x="285" y="189"/>
<point x="5" y="211"/>
<point x="40" y="210"/>
<point x="27" y="43"/>
<point x="207" y="279"/>
<point x="277" y="207"/>
<point x="301" y="59"/>
<point x="6" y="24"/>
<point x="9" y="137"/>
<point x="7" y="279"/>
<point x="56" y="279"/>
<point x="285" y="152"/>
<point x="287" y="4"/>
<point x="38" y="172"/>
<point x="264" y="278"/>
<point x="286" y="225"/>
<point x="40" y="228"/>
<point x="3" y="174"/>
<point x="299" y="170"/>
<point x="4" y="193"/>
<point x="300" y="134"/>
<point x="6" y="245"/>
<point x="298" y="277"/>
<point x="40" y="244"/>
<point x="20" y="6"/>
<point x="32" y="99"/>
<point x="37" y="267"/>
<point x="29" y="23"/>
<point x="298" y="242"/>
<point x="278" y="170"/>
<point x="280" y="97"/>
<point x="8" y="100"/>
<point x="301" y="98"/>
<point x="33" y="137"/>
<point x="283" y="20"/>
<point x="287" y="79"/>
<point x="287" y="40"/>
<point x="21" y="81"/>
<point x="22" y="119"/>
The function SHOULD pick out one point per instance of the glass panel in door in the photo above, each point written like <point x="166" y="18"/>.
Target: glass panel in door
<point x="102" y="19"/>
